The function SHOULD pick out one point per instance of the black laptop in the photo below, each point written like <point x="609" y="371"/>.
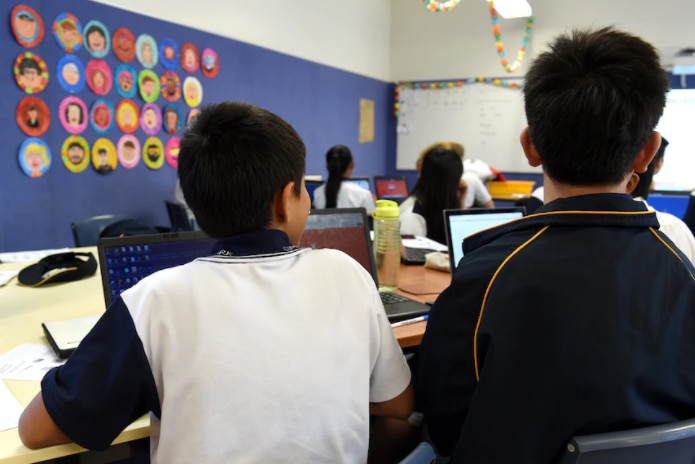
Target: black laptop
<point x="347" y="229"/>
<point x="391" y="188"/>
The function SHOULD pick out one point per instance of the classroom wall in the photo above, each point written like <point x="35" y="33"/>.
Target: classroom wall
<point x="321" y="102"/>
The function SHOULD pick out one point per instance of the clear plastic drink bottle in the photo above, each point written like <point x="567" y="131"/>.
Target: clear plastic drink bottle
<point x="387" y="244"/>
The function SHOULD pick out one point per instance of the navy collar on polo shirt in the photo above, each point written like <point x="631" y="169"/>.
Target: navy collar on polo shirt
<point x="261" y="242"/>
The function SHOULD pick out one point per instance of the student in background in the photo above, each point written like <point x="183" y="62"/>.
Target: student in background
<point x="261" y="352"/>
<point x="474" y="192"/>
<point x="578" y="319"/>
<point x="436" y="189"/>
<point x="338" y="191"/>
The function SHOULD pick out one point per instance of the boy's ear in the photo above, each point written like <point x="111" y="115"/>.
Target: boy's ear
<point x="529" y="150"/>
<point x="632" y="183"/>
<point x="281" y="206"/>
<point x="646" y="155"/>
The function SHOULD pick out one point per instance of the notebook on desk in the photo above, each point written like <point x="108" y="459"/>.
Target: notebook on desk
<point x="347" y="229"/>
<point x="124" y="261"/>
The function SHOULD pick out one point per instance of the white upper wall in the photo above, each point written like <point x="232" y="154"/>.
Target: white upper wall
<point x="352" y="35"/>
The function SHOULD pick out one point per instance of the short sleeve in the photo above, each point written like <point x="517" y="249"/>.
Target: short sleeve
<point x="390" y="374"/>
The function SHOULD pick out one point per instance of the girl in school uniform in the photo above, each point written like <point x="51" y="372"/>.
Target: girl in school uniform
<point x="338" y="191"/>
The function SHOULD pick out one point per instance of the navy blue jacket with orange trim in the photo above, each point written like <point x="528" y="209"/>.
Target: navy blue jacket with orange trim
<point x="577" y="319"/>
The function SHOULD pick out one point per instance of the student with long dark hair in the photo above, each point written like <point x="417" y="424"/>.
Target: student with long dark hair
<point x="336" y="193"/>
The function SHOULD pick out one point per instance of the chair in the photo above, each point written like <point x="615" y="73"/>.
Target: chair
<point x="672" y="443"/>
<point x="86" y="231"/>
<point x="422" y="454"/>
<point x="178" y="216"/>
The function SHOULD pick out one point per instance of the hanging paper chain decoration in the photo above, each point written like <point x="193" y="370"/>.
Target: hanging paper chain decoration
<point x="450" y="85"/>
<point x="436" y="7"/>
<point x="500" y="46"/>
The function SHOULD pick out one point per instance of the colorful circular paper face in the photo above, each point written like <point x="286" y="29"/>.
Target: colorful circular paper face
<point x="192" y="91"/>
<point x="191" y="116"/>
<point x="30" y="72"/>
<point x="189" y="58"/>
<point x="67" y="31"/>
<point x="96" y="39"/>
<point x="27" y="26"/>
<point x="153" y="153"/>
<point x="171" y="149"/>
<point x="148" y="84"/>
<point x="127" y="116"/>
<point x="101" y="116"/>
<point x="171" y="86"/>
<point x="75" y="153"/>
<point x="99" y="77"/>
<point x="33" y="116"/>
<point x="150" y="119"/>
<point x="71" y="74"/>
<point x="73" y="115"/>
<point x="128" y="151"/>
<point x="209" y="63"/>
<point x="168" y="53"/>
<point x="146" y="51"/>
<point x="172" y="118"/>
<point x="124" y="45"/>
<point x="126" y="78"/>
<point x="104" y="157"/>
<point x="34" y="157"/>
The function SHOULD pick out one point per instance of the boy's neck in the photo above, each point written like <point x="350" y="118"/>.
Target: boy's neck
<point x="553" y="190"/>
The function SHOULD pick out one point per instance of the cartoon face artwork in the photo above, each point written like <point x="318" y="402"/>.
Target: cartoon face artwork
<point x="34" y="157"/>
<point x="70" y="73"/>
<point x="210" y="64"/>
<point x="99" y="78"/>
<point x="150" y="119"/>
<point x="67" y="31"/>
<point x="127" y="116"/>
<point x="171" y="86"/>
<point x="147" y="51"/>
<point x="192" y="91"/>
<point x="27" y="26"/>
<point x="191" y="116"/>
<point x="171" y="150"/>
<point x="104" y="157"/>
<point x="96" y="39"/>
<point x="73" y="116"/>
<point x="168" y="53"/>
<point x="33" y="116"/>
<point x="172" y="119"/>
<point x="101" y="116"/>
<point x="128" y="151"/>
<point x="189" y="58"/>
<point x="75" y="153"/>
<point x="153" y="153"/>
<point x="30" y="72"/>
<point x="124" y="45"/>
<point x="148" y="84"/>
<point x="125" y="80"/>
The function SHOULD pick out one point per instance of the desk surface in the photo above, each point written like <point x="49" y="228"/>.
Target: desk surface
<point x="23" y="309"/>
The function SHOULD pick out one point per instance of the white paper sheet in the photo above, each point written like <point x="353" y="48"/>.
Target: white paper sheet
<point x="10" y="409"/>
<point x="6" y="276"/>
<point x="31" y="255"/>
<point x="28" y="362"/>
<point x="423" y="243"/>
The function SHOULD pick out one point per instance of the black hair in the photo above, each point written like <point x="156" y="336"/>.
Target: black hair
<point x="338" y="159"/>
<point x="437" y="189"/>
<point x="645" y="178"/>
<point x="29" y="63"/>
<point x="102" y="151"/>
<point x="592" y="103"/>
<point x="95" y="28"/>
<point x="26" y="17"/>
<point x="234" y="159"/>
<point x="78" y="106"/>
<point x="78" y="145"/>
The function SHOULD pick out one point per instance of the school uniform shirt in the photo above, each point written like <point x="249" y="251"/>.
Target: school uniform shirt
<point x="411" y="223"/>
<point x="476" y="192"/>
<point x="349" y="196"/>
<point x="676" y="230"/>
<point x="578" y="319"/>
<point x="263" y="352"/>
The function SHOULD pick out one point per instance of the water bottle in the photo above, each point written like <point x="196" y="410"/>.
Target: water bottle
<point x="387" y="244"/>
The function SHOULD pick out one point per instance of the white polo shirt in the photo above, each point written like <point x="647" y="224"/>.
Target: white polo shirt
<point x="349" y="196"/>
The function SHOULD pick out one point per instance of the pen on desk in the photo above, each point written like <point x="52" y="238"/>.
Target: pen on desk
<point x="410" y="321"/>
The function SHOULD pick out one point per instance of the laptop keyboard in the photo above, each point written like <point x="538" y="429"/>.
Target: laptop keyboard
<point x="389" y="298"/>
<point x="416" y="255"/>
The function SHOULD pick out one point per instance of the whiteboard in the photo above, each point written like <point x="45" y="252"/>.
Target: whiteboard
<point x="676" y="125"/>
<point x="487" y="119"/>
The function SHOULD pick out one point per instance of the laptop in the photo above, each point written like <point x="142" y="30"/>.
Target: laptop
<point x="311" y="186"/>
<point x="461" y="223"/>
<point x="347" y="229"/>
<point x="124" y="261"/>
<point x="391" y="188"/>
<point x="363" y="182"/>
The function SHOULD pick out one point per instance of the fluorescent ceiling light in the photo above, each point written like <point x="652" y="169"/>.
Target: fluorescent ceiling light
<point x="513" y="8"/>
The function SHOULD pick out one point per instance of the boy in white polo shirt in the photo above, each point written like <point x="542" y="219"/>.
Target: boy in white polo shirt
<point x="261" y="352"/>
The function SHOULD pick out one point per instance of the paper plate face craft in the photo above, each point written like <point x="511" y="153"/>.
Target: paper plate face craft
<point x="73" y="115"/>
<point x="99" y="77"/>
<point x="96" y="39"/>
<point x="171" y="149"/>
<point x="189" y="58"/>
<point x="71" y="73"/>
<point x="153" y="153"/>
<point x="146" y="51"/>
<point x="33" y="116"/>
<point x="171" y="86"/>
<point x="168" y="53"/>
<point x="172" y="118"/>
<point x="124" y="45"/>
<point x="104" y="157"/>
<point x="30" y="72"/>
<point x="150" y="119"/>
<point x="127" y="116"/>
<point x="34" y="157"/>
<point x="192" y="91"/>
<point x="191" y="116"/>
<point x="75" y="153"/>
<point x="210" y="64"/>
<point x="148" y="84"/>
<point x="126" y="80"/>
<point x="67" y="31"/>
<point x="27" y="26"/>
<point x="128" y="151"/>
<point x="101" y="116"/>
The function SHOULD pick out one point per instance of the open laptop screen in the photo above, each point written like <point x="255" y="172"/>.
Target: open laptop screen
<point x="363" y="182"/>
<point x="311" y="186"/>
<point x="391" y="188"/>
